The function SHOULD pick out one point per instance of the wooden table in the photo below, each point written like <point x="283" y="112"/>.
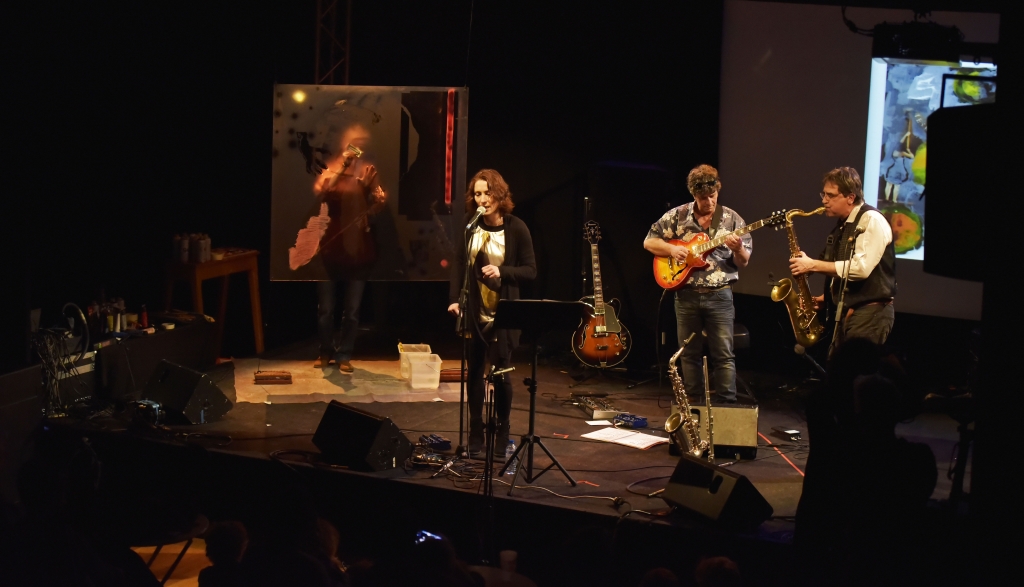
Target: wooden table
<point x="236" y="261"/>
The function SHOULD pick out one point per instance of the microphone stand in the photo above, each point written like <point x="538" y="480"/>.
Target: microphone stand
<point x="462" y="329"/>
<point x="844" y="285"/>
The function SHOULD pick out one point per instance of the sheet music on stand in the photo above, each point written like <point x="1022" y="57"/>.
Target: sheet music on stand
<point x="626" y="437"/>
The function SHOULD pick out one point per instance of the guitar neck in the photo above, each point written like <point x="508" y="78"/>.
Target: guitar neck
<point x="595" y="261"/>
<point x="720" y="240"/>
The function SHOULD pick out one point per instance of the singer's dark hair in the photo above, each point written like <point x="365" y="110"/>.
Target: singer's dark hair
<point x="848" y="181"/>
<point x="496" y="186"/>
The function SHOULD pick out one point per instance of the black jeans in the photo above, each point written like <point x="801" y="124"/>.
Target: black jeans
<point x="481" y="358"/>
<point x="873" y="322"/>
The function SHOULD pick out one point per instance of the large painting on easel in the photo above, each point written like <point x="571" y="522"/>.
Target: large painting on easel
<point x="367" y="181"/>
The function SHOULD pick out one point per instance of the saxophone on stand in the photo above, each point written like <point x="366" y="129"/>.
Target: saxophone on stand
<point x="798" y="300"/>
<point x="681" y="426"/>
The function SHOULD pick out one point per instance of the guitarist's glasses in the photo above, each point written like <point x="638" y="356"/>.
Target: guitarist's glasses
<point x="704" y="184"/>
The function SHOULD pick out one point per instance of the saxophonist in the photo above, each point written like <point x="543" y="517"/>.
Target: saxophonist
<point x="871" y="271"/>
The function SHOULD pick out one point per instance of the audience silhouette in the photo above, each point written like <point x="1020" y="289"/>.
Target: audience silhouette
<point x="866" y="491"/>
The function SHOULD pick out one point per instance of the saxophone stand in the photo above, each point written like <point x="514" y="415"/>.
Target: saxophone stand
<point x="535" y="317"/>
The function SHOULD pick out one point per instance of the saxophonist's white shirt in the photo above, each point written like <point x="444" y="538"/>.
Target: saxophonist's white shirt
<point x="869" y="246"/>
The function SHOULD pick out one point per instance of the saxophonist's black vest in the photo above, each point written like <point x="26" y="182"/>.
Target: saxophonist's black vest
<point x="880" y="285"/>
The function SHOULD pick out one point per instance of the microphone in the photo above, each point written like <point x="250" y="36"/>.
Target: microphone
<point x="860" y="230"/>
<point x="800" y="350"/>
<point x="352" y="153"/>
<point x="479" y="212"/>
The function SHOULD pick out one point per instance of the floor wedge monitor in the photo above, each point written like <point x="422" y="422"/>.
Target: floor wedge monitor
<point x="185" y="395"/>
<point x="716" y="494"/>
<point x="359" y="440"/>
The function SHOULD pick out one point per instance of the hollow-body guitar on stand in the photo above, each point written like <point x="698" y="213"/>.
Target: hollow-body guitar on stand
<point x="600" y="340"/>
<point x="672" y="275"/>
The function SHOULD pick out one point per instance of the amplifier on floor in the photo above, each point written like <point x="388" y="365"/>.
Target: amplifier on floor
<point x="735" y="429"/>
<point x="185" y="395"/>
<point x="360" y="440"/>
<point x="716" y="493"/>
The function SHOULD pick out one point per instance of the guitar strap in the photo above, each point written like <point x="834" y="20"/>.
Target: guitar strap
<point x="716" y="220"/>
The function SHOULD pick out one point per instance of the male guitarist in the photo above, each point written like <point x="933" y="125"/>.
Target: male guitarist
<point x="704" y="303"/>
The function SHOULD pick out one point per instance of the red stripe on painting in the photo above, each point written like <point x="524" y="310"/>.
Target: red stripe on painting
<point x="449" y="139"/>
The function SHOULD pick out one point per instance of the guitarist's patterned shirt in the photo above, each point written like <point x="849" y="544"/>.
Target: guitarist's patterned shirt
<point x="679" y="223"/>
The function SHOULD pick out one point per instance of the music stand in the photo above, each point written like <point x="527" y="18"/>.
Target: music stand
<point x="536" y="317"/>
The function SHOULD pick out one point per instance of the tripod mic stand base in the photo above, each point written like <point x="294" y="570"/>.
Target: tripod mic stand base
<point x="527" y="463"/>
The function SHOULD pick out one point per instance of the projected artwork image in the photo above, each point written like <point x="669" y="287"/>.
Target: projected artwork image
<point x="366" y="182"/>
<point x="903" y="95"/>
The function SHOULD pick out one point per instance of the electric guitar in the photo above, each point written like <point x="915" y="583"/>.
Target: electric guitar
<point x="672" y="275"/>
<point x="600" y="340"/>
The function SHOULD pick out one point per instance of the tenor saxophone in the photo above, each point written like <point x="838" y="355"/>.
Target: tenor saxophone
<point x="681" y="426"/>
<point x="799" y="302"/>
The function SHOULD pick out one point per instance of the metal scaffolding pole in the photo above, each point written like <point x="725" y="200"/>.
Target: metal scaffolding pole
<point x="332" y="41"/>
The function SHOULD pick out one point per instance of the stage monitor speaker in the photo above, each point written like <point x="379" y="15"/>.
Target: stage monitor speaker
<point x="185" y="395"/>
<point x="360" y="440"/>
<point x="716" y="494"/>
<point x="961" y="156"/>
<point x="735" y="428"/>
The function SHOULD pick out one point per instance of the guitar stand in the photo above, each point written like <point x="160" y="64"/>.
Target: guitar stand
<point x="530" y="439"/>
<point x="617" y="372"/>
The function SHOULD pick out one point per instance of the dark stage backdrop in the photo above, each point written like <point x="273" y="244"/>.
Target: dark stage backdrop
<point x="145" y="121"/>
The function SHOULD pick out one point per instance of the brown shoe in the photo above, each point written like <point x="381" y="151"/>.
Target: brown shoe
<point x="322" y="362"/>
<point x="345" y="367"/>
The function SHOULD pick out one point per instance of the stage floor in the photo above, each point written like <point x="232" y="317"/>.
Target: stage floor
<point x="602" y="470"/>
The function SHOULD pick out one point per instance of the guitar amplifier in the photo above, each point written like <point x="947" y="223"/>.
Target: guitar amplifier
<point x="735" y="428"/>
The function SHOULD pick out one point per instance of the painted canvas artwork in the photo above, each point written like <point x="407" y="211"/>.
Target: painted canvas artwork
<point x="912" y="91"/>
<point x="366" y="181"/>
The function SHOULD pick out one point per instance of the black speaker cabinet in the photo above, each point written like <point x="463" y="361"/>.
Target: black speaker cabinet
<point x="716" y="494"/>
<point x="186" y="395"/>
<point x="360" y="440"/>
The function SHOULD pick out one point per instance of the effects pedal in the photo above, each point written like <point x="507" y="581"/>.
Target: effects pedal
<point x="596" y="407"/>
<point x="435" y="442"/>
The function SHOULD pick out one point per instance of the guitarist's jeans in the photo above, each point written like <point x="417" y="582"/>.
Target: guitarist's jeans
<point x="713" y="313"/>
<point x="327" y="295"/>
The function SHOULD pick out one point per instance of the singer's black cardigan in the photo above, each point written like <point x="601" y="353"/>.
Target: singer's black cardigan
<point x="519" y="266"/>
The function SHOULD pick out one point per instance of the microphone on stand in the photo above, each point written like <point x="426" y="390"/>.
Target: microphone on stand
<point x="860" y="230"/>
<point x="800" y="350"/>
<point x="479" y="212"/>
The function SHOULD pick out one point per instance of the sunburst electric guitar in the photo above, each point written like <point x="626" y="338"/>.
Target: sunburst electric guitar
<point x="600" y="340"/>
<point x="672" y="275"/>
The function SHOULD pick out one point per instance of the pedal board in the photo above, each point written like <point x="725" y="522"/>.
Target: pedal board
<point x="735" y="428"/>
<point x="597" y="408"/>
